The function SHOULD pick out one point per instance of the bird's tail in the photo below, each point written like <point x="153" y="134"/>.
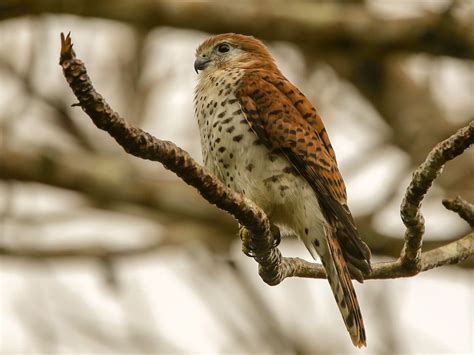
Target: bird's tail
<point x="340" y="280"/>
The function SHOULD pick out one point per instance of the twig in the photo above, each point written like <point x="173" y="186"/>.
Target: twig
<point x="273" y="267"/>
<point x="464" y="209"/>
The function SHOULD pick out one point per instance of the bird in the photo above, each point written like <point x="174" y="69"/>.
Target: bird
<point x="264" y="139"/>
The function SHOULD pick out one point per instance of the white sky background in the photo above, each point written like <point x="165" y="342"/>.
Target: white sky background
<point x="432" y="313"/>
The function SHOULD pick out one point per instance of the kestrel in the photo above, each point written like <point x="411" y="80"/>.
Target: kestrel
<point x="262" y="137"/>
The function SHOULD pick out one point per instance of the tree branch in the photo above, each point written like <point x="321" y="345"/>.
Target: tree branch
<point x="422" y="180"/>
<point x="464" y="209"/>
<point x="273" y="267"/>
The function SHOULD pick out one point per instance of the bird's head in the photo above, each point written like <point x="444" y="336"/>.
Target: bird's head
<point x="230" y="50"/>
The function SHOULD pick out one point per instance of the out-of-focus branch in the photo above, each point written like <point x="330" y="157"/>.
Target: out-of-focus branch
<point x="109" y="181"/>
<point x="319" y="27"/>
<point x="464" y="209"/>
<point x="78" y="252"/>
<point x="61" y="115"/>
<point x="417" y="120"/>
<point x="273" y="268"/>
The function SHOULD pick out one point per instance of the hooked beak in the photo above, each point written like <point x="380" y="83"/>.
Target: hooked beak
<point x="200" y="64"/>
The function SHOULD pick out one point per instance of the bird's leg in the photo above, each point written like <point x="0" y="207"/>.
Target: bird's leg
<point x="246" y="239"/>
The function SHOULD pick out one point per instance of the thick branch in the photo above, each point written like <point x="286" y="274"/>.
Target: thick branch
<point x="273" y="268"/>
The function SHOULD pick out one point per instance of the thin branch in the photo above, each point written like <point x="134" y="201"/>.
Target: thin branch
<point x="464" y="209"/>
<point x="422" y="180"/>
<point x="273" y="267"/>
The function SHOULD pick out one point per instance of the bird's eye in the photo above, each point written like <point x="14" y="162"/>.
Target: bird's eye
<point x="223" y="48"/>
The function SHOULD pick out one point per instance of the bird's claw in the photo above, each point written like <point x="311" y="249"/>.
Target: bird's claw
<point x="245" y="238"/>
<point x="276" y="236"/>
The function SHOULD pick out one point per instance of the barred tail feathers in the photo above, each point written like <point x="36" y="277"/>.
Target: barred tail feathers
<point x="341" y="284"/>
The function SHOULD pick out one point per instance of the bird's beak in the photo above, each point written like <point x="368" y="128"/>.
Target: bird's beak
<point x="200" y="64"/>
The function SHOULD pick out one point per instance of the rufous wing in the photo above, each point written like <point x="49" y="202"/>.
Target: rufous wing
<point x="286" y="122"/>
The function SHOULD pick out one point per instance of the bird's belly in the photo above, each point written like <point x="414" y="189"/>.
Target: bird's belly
<point x="233" y="152"/>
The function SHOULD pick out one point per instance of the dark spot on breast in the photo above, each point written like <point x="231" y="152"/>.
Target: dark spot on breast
<point x="238" y="138"/>
<point x="316" y="243"/>
<point x="272" y="157"/>
<point x="222" y="114"/>
<point x="306" y="231"/>
<point x="290" y="170"/>
<point x="221" y="149"/>
<point x="249" y="167"/>
<point x="230" y="129"/>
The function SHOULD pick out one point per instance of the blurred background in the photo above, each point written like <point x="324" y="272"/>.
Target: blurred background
<point x="101" y="252"/>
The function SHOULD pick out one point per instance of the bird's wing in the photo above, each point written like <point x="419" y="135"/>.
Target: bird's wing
<point x="285" y="121"/>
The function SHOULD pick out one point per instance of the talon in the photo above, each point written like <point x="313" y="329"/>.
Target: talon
<point x="276" y="236"/>
<point x="247" y="251"/>
<point x="244" y="237"/>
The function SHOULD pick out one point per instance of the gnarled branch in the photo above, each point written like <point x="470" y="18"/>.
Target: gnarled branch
<point x="273" y="267"/>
